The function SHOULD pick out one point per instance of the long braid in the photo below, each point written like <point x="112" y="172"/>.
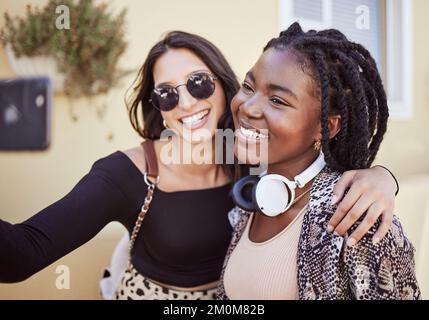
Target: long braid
<point x="380" y="107"/>
<point x="350" y="85"/>
<point x="324" y="92"/>
<point x="378" y="101"/>
<point x="360" y="108"/>
<point x="372" y="101"/>
<point x="342" y="102"/>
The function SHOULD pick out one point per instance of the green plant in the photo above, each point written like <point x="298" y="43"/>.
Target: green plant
<point x="87" y="53"/>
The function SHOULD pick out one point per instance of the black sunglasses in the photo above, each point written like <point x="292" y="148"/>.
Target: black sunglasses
<point x="200" y="85"/>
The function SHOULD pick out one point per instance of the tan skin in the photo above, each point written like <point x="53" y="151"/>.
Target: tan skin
<point x="173" y="67"/>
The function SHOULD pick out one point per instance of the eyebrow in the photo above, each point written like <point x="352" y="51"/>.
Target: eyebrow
<point x="276" y="87"/>
<point x="251" y="76"/>
<point x="187" y="76"/>
<point x="273" y="87"/>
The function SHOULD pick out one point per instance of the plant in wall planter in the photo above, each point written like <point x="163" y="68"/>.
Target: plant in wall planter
<point x="81" y="60"/>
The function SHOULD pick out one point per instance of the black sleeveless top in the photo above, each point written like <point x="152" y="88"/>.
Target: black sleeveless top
<point x="182" y="242"/>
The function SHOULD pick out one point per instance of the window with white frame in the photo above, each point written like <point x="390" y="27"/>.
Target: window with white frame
<point x="382" y="26"/>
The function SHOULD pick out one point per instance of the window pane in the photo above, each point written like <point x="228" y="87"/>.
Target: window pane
<point x="308" y="9"/>
<point x="395" y="54"/>
<point x="344" y="18"/>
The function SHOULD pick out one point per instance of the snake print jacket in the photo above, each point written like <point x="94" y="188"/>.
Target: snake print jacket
<point x="328" y="269"/>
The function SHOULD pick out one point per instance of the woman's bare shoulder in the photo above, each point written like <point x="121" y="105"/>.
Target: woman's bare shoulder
<point x="136" y="155"/>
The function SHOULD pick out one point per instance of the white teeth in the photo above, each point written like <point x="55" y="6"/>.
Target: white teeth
<point x="253" y="134"/>
<point x="195" y="118"/>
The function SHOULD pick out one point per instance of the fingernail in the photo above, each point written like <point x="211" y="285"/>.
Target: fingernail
<point x="336" y="234"/>
<point x="334" y="200"/>
<point x="351" y="242"/>
<point x="375" y="241"/>
<point x="330" y="228"/>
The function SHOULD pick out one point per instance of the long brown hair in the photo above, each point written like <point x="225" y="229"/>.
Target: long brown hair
<point x="138" y="103"/>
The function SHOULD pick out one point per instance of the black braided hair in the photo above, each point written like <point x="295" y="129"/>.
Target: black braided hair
<point x="348" y="83"/>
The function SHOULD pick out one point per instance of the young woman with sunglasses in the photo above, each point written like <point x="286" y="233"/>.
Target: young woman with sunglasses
<point x="187" y="85"/>
<point x="311" y="92"/>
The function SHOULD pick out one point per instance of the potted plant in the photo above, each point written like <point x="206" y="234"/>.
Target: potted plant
<point x="82" y="60"/>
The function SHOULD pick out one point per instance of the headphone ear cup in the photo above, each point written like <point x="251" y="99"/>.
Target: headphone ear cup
<point x="271" y="196"/>
<point x="242" y="193"/>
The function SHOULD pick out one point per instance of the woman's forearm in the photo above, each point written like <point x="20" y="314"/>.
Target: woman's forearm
<point x="30" y="246"/>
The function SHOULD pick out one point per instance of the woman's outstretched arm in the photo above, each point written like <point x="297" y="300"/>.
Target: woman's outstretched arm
<point x="97" y="199"/>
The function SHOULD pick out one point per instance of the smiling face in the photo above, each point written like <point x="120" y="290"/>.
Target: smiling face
<point x="278" y="98"/>
<point x="191" y="117"/>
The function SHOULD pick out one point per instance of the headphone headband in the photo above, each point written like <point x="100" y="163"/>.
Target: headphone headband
<point x="313" y="170"/>
<point x="273" y="194"/>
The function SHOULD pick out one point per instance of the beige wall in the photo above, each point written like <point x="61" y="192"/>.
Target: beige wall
<point x="406" y="146"/>
<point x="29" y="181"/>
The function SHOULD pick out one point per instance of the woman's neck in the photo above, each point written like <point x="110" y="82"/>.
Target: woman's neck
<point x="192" y="159"/>
<point x="293" y="167"/>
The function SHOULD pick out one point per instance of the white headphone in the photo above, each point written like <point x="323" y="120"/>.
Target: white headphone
<point x="273" y="194"/>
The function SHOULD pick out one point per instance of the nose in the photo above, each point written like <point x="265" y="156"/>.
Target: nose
<point x="252" y="108"/>
<point x="186" y="100"/>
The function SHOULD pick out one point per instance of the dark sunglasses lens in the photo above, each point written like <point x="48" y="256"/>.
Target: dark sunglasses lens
<point x="164" y="99"/>
<point x="201" y="86"/>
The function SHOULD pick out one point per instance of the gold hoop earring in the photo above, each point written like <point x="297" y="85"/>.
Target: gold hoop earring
<point x="317" y="145"/>
<point x="165" y="124"/>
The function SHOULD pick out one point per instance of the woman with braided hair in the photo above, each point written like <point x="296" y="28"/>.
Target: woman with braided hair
<point x="318" y="101"/>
